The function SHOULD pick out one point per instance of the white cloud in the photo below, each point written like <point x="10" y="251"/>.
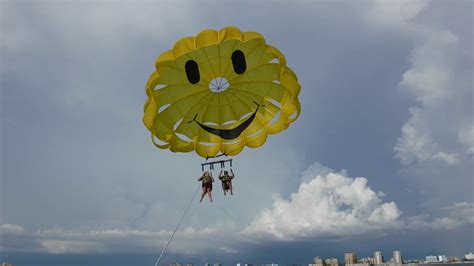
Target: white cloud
<point x="466" y="137"/>
<point x="453" y="216"/>
<point x="438" y="79"/>
<point x="62" y="241"/>
<point x="431" y="76"/>
<point x="11" y="229"/>
<point x="330" y="204"/>
<point x="396" y="13"/>
<point x="416" y="143"/>
<point x="65" y="246"/>
<point x="442" y="92"/>
<point x="317" y="169"/>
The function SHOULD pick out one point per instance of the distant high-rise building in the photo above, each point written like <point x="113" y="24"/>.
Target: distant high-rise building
<point x="431" y="258"/>
<point x="325" y="262"/>
<point x="453" y="259"/>
<point x="175" y="264"/>
<point x="397" y="257"/>
<point x="378" y="258"/>
<point x="189" y="264"/>
<point x="469" y="256"/>
<point x="207" y="264"/>
<point x="350" y="258"/>
<point x="318" y="261"/>
<point x="6" y="264"/>
<point x="217" y="264"/>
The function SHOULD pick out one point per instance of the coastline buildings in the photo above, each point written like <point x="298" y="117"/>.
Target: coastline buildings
<point x="350" y="258"/>
<point x="397" y="257"/>
<point x="439" y="258"/>
<point x="469" y="256"/>
<point x="378" y="258"/>
<point x="325" y="262"/>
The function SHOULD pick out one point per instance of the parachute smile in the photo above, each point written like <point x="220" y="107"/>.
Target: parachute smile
<point x="229" y="134"/>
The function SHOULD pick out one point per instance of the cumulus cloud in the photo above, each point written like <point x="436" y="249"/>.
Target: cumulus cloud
<point x="416" y="143"/>
<point x="436" y="144"/>
<point x="334" y="204"/>
<point x="438" y="126"/>
<point x="331" y="204"/>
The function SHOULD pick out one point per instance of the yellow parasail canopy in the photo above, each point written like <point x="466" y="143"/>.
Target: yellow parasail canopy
<point x="219" y="92"/>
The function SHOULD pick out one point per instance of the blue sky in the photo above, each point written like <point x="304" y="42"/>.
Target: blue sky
<point x="382" y="152"/>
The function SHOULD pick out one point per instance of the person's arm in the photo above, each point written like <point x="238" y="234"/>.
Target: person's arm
<point x="233" y="175"/>
<point x="200" y="178"/>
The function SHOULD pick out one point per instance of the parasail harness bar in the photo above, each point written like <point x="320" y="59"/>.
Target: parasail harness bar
<point x="221" y="162"/>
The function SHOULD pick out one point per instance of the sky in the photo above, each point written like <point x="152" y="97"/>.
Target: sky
<point x="381" y="157"/>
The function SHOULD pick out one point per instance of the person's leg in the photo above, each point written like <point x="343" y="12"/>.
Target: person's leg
<point x="223" y="187"/>
<point x="209" y="192"/>
<point x="230" y="187"/>
<point x="203" y="193"/>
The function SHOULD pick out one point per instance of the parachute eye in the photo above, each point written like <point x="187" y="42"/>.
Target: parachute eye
<point x="192" y="71"/>
<point x="238" y="61"/>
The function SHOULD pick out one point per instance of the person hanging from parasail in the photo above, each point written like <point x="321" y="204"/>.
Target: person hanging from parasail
<point x="226" y="180"/>
<point x="207" y="181"/>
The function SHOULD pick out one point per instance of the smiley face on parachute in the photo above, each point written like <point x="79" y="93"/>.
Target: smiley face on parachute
<point x="219" y="92"/>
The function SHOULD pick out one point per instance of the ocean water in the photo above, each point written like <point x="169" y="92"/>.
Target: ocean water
<point x="37" y="259"/>
<point x="77" y="260"/>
